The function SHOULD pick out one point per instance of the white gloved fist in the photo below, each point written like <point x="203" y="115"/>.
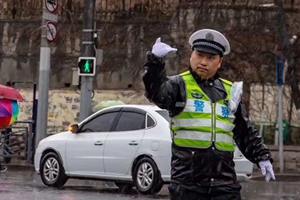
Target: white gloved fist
<point x="267" y="170"/>
<point x="161" y="49"/>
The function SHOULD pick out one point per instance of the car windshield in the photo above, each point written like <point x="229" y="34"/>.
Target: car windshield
<point x="164" y="114"/>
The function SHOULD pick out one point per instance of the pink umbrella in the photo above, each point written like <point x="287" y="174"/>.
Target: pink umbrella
<point x="10" y="93"/>
<point x="9" y="112"/>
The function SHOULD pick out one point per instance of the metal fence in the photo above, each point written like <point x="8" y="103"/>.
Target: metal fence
<point x="17" y="143"/>
<point x="291" y="133"/>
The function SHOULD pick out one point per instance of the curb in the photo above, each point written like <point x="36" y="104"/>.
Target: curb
<point x="16" y="166"/>
<point x="280" y="177"/>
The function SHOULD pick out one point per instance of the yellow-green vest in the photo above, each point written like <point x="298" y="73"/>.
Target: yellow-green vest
<point x="202" y="122"/>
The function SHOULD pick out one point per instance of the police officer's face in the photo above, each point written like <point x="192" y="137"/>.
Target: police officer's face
<point x="205" y="65"/>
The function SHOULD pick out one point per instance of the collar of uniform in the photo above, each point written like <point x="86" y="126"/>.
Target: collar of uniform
<point x="204" y="81"/>
<point x="214" y="82"/>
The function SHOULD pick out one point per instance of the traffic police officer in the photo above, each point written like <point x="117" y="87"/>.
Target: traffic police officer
<point x="208" y="120"/>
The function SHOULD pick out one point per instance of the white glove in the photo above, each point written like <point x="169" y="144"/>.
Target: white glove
<point x="267" y="170"/>
<point x="161" y="49"/>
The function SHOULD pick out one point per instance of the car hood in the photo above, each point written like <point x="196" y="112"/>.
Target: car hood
<point x="57" y="136"/>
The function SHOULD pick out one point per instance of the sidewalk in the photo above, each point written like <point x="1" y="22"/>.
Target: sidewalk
<point x="19" y="165"/>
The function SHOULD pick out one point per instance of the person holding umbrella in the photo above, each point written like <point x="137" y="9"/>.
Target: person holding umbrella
<point x="2" y="144"/>
<point x="9" y="112"/>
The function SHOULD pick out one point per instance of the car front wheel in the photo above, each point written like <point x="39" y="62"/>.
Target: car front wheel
<point x="52" y="170"/>
<point x="147" y="177"/>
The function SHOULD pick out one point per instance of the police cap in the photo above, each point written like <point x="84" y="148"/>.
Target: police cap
<point x="210" y="41"/>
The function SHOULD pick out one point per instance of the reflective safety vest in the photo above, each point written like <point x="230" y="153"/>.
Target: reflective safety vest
<point x="202" y="123"/>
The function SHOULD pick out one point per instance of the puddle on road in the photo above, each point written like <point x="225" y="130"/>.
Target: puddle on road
<point x="286" y="187"/>
<point x="281" y="178"/>
<point x="29" y="186"/>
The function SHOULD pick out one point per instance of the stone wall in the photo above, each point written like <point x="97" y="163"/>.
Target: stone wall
<point x="291" y="158"/>
<point x="64" y="110"/>
<point x="263" y="111"/>
<point x="128" y="29"/>
<point x="264" y="101"/>
<point x="63" y="107"/>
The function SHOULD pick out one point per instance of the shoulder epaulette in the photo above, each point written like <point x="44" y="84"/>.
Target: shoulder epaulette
<point x="226" y="81"/>
<point x="185" y="73"/>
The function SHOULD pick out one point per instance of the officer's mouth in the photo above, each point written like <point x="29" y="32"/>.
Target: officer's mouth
<point x="202" y="69"/>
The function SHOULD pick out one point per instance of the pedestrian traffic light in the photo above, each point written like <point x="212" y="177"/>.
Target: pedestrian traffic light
<point x="87" y="66"/>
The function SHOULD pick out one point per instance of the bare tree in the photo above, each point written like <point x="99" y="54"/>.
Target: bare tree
<point x="287" y="49"/>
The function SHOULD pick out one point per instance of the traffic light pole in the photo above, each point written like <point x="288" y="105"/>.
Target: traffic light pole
<point x="280" y="65"/>
<point x="87" y="49"/>
<point x="43" y="86"/>
<point x="280" y="128"/>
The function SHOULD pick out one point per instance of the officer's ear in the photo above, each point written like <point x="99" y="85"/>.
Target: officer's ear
<point x="221" y="59"/>
<point x="220" y="62"/>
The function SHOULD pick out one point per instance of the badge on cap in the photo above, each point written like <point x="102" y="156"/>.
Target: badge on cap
<point x="209" y="36"/>
<point x="210" y="41"/>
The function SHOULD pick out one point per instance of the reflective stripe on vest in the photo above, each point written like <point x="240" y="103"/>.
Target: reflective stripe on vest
<point x="194" y="135"/>
<point x="201" y="122"/>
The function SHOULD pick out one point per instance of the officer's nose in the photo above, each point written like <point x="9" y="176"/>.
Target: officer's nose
<point x="204" y="61"/>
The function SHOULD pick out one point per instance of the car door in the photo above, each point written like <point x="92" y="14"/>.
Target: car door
<point x="84" y="150"/>
<point x="243" y="167"/>
<point x="123" y="142"/>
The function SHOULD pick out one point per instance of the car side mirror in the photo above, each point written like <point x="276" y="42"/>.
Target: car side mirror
<point x="73" y="128"/>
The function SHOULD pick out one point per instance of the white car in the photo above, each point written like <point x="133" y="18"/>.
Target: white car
<point x="129" y="144"/>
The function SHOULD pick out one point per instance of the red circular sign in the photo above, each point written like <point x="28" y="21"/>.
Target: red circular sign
<point x="51" y="5"/>
<point x="51" y="31"/>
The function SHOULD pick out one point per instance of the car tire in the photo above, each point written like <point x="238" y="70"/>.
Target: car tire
<point x="146" y="176"/>
<point x="52" y="171"/>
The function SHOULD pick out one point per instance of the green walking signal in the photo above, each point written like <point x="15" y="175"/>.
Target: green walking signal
<point x="87" y="66"/>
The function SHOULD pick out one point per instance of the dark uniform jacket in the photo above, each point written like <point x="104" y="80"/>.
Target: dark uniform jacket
<point x="201" y="167"/>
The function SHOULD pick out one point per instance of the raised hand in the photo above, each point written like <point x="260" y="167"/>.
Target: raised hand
<point x="161" y="49"/>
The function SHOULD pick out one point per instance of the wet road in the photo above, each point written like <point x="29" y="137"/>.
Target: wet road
<point x="26" y="185"/>
<point x="286" y="187"/>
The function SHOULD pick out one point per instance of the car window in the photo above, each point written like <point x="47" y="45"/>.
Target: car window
<point x="130" y="121"/>
<point x="101" y="123"/>
<point x="150" y="121"/>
